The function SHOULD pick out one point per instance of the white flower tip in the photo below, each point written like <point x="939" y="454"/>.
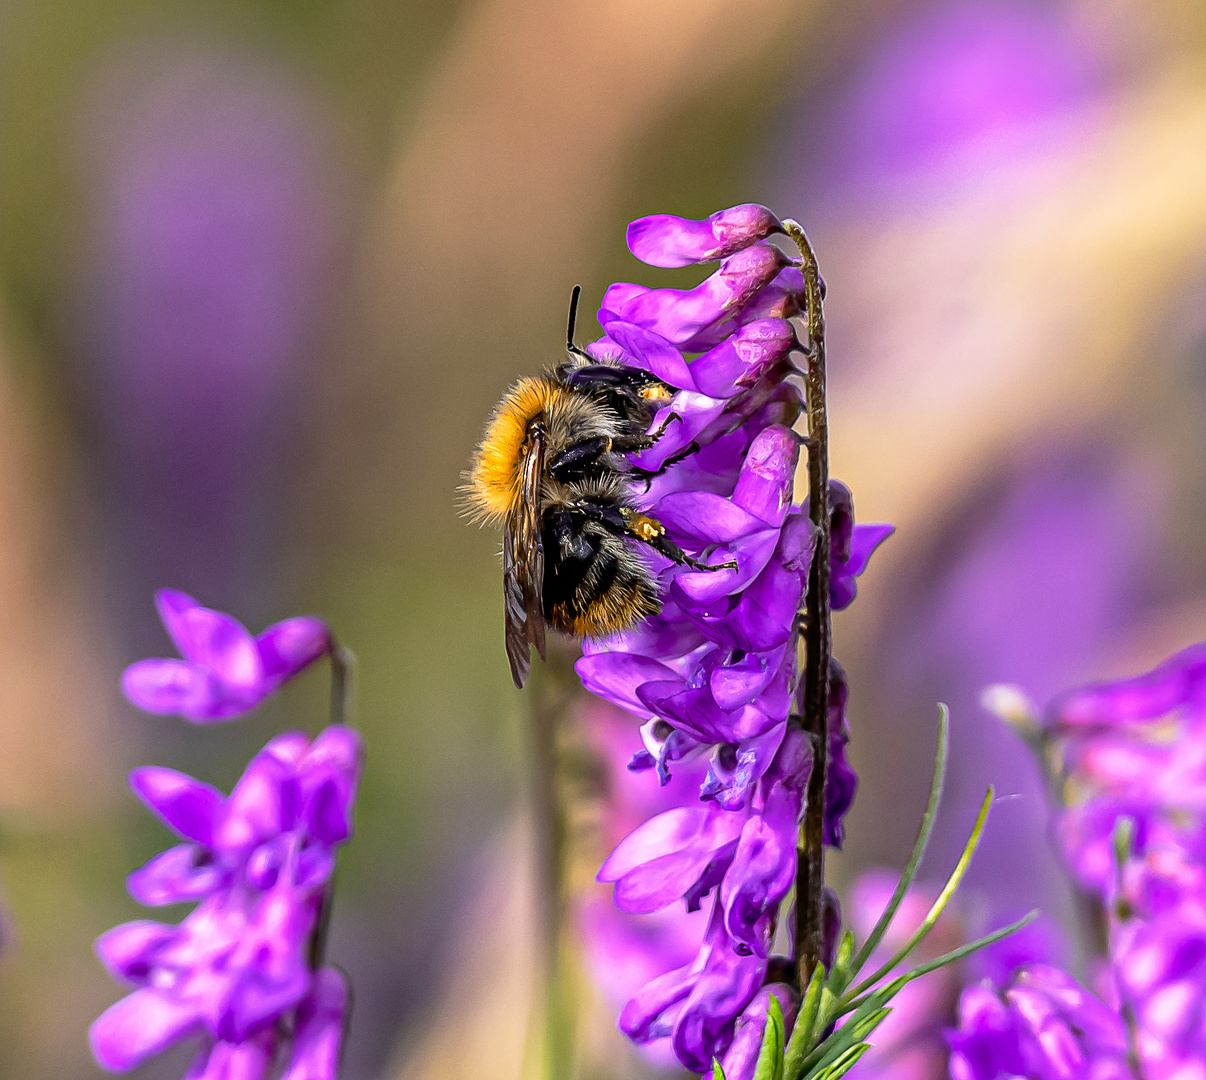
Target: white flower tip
<point x="1013" y="705"/>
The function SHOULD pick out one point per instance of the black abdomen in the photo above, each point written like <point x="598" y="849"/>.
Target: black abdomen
<point x="595" y="584"/>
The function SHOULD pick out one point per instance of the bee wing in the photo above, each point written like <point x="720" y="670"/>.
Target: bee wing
<point x="523" y="567"/>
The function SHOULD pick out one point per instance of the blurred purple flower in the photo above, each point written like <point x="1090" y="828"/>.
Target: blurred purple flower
<point x="1045" y="1026"/>
<point x="1133" y="748"/>
<point x="225" y="671"/>
<point x="258" y="861"/>
<point x="216" y="206"/>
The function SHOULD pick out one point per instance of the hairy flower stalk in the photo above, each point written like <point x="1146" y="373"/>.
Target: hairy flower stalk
<point x="810" y="874"/>
<point x="720" y="671"/>
<point x="245" y="969"/>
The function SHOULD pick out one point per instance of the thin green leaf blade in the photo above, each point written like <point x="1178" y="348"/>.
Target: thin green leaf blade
<point x="919" y="845"/>
<point x="854" y="1031"/>
<point x="717" y="1071"/>
<point x="948" y="890"/>
<point x="887" y="992"/>
<point x="843" y="1064"/>
<point x="839" y="977"/>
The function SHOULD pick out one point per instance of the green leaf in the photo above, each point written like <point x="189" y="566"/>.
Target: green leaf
<point x="717" y="1071"/>
<point x="948" y="890"/>
<point x="770" y="1058"/>
<point x="839" y="977"/>
<point x="919" y="846"/>
<point x="887" y="992"/>
<point x="802" y="1036"/>
<point x="843" y="1064"/>
<point x="828" y="1010"/>
<point x="853" y="1031"/>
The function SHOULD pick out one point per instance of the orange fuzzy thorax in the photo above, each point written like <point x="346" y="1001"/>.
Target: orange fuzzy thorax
<point x="494" y="481"/>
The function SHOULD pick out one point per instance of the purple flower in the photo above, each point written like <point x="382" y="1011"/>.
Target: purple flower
<point x="1133" y="751"/>
<point x="748" y="858"/>
<point x="664" y="240"/>
<point x="685" y="853"/>
<point x="1134" y="748"/>
<point x="225" y="672"/>
<point x="715" y="672"/>
<point x="851" y="546"/>
<point x="741" y="1058"/>
<point x="258" y="861"/>
<point x="841" y="781"/>
<point x="1158" y="952"/>
<point x="1045" y="1026"/>
<point x="697" y="1006"/>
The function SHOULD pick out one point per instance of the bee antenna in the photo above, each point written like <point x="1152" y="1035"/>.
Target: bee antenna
<point x="573" y="319"/>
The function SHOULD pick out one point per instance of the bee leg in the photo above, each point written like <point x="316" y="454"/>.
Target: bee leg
<point x="652" y="532"/>
<point x="582" y="454"/>
<point x="649" y="475"/>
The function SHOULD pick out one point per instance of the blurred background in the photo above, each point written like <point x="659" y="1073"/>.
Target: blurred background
<point x="265" y="265"/>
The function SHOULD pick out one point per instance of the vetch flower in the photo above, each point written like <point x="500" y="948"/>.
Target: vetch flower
<point x="224" y="671"/>
<point x="1045" y="1026"/>
<point x="715" y="672"/>
<point x="748" y="859"/>
<point x="259" y="862"/>
<point x="1135" y="749"/>
<point x="665" y="240"/>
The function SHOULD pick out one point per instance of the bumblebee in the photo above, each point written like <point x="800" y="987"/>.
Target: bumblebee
<point x="551" y="470"/>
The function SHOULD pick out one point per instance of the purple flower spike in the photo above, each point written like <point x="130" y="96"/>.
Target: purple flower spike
<point x="225" y="672"/>
<point x="715" y="671"/>
<point x="238" y="965"/>
<point x="664" y="240"/>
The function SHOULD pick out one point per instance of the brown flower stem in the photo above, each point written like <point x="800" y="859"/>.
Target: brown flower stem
<point x="817" y="645"/>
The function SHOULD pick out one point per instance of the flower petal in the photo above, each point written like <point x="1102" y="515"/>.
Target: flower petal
<point x="319" y="1033"/>
<point x="211" y="639"/>
<point x="247" y="1060"/>
<point x="127" y="951"/>
<point x="287" y="647"/>
<point x="665" y="240"/>
<point x="186" y="806"/>
<point x="172" y="687"/>
<point x="741" y="360"/>
<point x="685" y="827"/>
<point x="767" y="478"/>
<point x="182" y="873"/>
<point x="653" y="352"/>
<point x="139" y="1026"/>
<point x="680" y="314"/>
